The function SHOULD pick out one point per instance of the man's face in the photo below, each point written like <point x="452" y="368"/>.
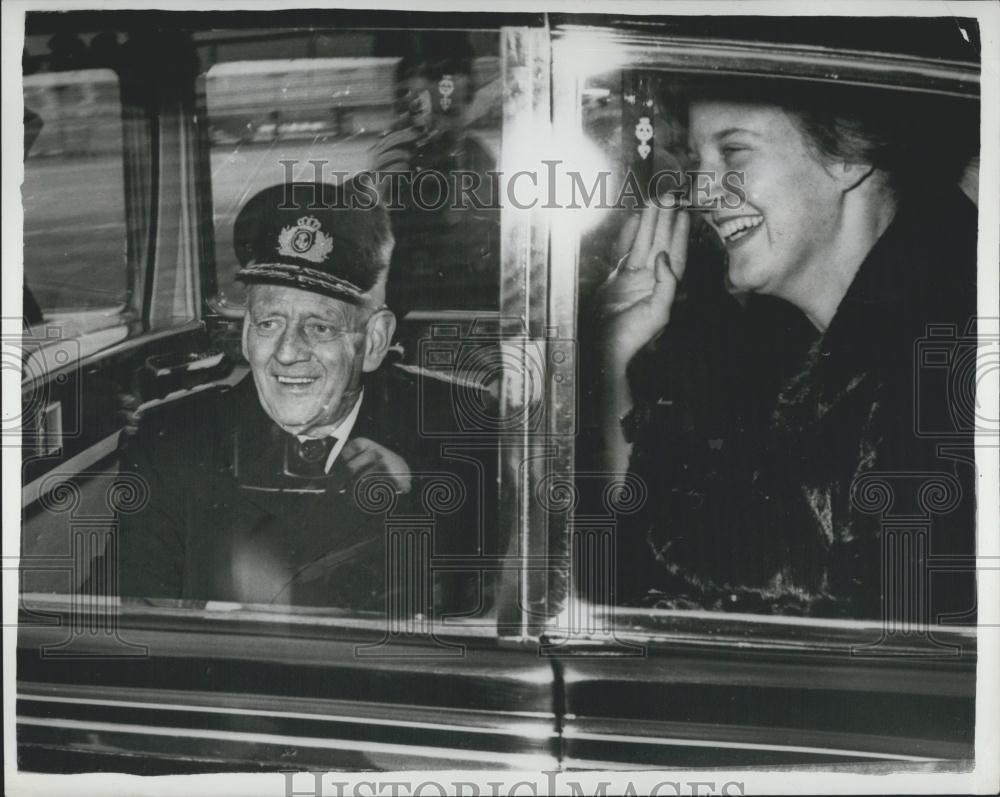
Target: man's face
<point x="437" y="102"/>
<point x="791" y="217"/>
<point x="419" y="104"/>
<point x="307" y="353"/>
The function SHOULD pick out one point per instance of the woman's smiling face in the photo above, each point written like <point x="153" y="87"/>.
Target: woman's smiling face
<point x="790" y="220"/>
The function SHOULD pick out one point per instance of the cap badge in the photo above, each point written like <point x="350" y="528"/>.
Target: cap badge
<point x="305" y="240"/>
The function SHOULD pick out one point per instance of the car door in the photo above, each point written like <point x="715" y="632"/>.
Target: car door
<point x="152" y="686"/>
<point x="546" y="671"/>
<point x="112" y="301"/>
<point x="696" y="686"/>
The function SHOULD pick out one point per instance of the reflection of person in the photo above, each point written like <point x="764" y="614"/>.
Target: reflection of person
<point x="446" y="257"/>
<point x="758" y="515"/>
<point x="252" y="489"/>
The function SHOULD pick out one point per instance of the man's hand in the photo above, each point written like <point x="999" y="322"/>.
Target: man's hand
<point x="363" y="456"/>
<point x="636" y="298"/>
<point x="394" y="151"/>
<point x="128" y="413"/>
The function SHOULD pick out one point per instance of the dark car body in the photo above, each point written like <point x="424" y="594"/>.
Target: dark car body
<point x="542" y="682"/>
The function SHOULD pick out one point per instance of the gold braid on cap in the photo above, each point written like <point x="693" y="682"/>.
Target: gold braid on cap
<point x="308" y="279"/>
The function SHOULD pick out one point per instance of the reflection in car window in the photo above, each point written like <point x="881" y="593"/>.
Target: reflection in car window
<point x="754" y="344"/>
<point x="338" y="509"/>
<point x="400" y="102"/>
<point x="75" y="262"/>
<point x="264" y="114"/>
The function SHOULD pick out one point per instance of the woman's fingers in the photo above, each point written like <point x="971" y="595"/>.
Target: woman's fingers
<point x="646" y="280"/>
<point x="655" y="230"/>
<point x="661" y="237"/>
<point x="626" y="236"/>
<point x="678" y="245"/>
<point x="639" y="256"/>
<point x="653" y="312"/>
<point x="637" y="298"/>
<point x="666" y="285"/>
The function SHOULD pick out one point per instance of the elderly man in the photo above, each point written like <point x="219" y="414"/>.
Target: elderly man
<point x="252" y="489"/>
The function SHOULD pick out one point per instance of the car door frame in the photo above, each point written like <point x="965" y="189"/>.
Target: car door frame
<point x="686" y="684"/>
<point x="103" y="681"/>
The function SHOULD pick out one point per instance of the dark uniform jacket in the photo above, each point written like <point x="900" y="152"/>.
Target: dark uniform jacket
<point x="448" y="257"/>
<point x="225" y="521"/>
<point x="776" y="466"/>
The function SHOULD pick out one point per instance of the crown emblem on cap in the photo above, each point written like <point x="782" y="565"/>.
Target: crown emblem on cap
<point x="305" y="240"/>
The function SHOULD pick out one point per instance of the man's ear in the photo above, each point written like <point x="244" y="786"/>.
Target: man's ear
<point x="378" y="337"/>
<point x="851" y="175"/>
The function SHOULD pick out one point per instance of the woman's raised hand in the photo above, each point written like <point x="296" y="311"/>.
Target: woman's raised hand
<point x="635" y="300"/>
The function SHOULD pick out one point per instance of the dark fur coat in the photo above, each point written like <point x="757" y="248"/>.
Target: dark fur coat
<point x="799" y="473"/>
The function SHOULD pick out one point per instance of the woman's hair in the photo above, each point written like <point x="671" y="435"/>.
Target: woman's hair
<point x="918" y="141"/>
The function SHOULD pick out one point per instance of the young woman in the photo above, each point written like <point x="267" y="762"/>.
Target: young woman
<point x="847" y="219"/>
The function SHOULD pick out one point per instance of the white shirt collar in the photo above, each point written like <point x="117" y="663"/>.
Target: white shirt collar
<point x="342" y="431"/>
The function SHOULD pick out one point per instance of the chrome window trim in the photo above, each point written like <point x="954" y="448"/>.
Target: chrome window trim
<point x="612" y="48"/>
<point x="627" y="626"/>
<point x="90" y="358"/>
<point x="536" y="724"/>
<point x="221" y="617"/>
<point x="522" y="593"/>
<point x="445" y="755"/>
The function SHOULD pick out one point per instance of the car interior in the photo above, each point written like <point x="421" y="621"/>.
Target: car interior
<point x="144" y="136"/>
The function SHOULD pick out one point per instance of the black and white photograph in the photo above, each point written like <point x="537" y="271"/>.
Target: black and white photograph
<point x="512" y="399"/>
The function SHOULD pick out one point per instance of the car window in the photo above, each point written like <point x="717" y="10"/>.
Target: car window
<point x="619" y="491"/>
<point x="749" y="478"/>
<point x="81" y="259"/>
<point x="399" y="521"/>
<point x="75" y="119"/>
<point x="327" y="105"/>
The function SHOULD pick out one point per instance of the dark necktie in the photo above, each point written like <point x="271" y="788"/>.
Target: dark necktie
<point x="307" y="458"/>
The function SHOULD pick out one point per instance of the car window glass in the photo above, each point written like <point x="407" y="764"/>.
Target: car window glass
<point x="745" y="491"/>
<point x="75" y="262"/>
<point x="327" y="105"/>
<point x="398" y="520"/>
